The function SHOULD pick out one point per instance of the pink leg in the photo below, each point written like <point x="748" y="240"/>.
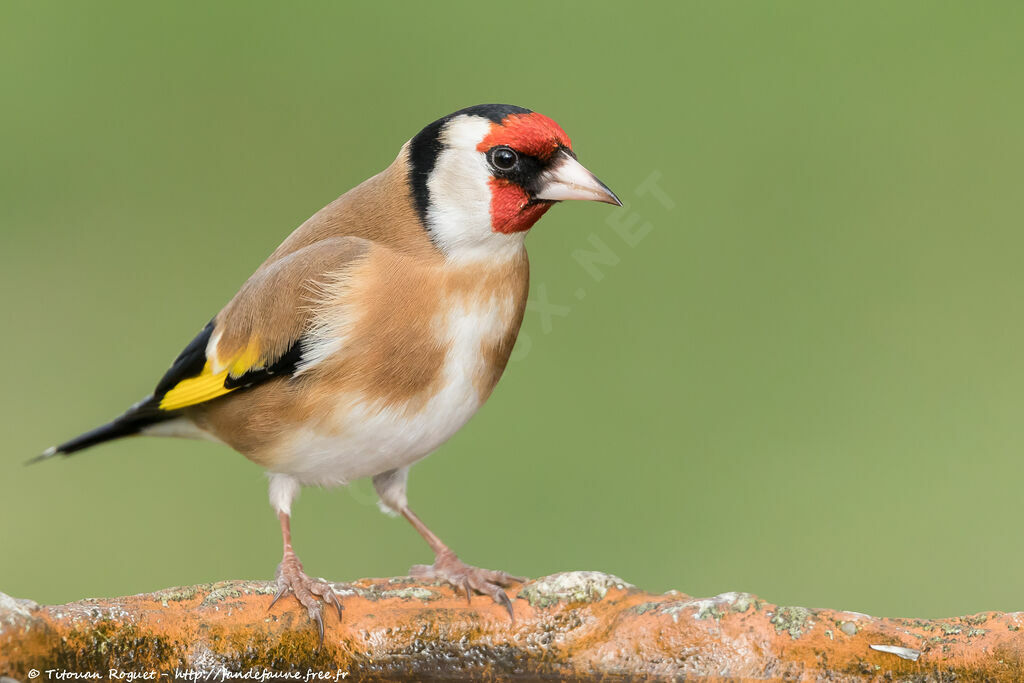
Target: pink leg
<point x="291" y="579"/>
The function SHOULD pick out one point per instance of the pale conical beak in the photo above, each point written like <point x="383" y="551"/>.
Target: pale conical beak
<point x="567" y="178"/>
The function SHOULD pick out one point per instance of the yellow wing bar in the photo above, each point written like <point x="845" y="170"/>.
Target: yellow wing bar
<point x="208" y="385"/>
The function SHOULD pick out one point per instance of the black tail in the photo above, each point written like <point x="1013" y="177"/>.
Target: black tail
<point x="138" y="417"/>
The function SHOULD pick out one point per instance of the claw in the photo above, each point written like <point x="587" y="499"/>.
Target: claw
<point x="281" y="592"/>
<point x="314" y="614"/>
<point x="332" y="598"/>
<point x="469" y="595"/>
<point x="500" y="596"/>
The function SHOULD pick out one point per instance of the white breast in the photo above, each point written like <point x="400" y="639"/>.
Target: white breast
<point x="367" y="438"/>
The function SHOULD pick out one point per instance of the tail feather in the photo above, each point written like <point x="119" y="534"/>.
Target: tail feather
<point x="141" y="415"/>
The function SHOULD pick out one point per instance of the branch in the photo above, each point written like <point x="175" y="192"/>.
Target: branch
<point x="572" y="625"/>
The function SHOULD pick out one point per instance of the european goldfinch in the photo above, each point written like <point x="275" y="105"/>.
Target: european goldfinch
<point x="377" y="329"/>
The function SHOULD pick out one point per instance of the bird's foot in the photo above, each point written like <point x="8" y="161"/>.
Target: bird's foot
<point x="448" y="567"/>
<point x="309" y="592"/>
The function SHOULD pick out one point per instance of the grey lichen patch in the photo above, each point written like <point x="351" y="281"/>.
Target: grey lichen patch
<point x="702" y="609"/>
<point x="709" y="612"/>
<point x="848" y="627"/>
<point x="673" y="609"/>
<point x="180" y="594"/>
<point x="793" y="620"/>
<point x="223" y="590"/>
<point x="710" y="608"/>
<point x="971" y="633"/>
<point x="409" y="593"/>
<point x="644" y="607"/>
<point x="951" y="629"/>
<point x="14" y="610"/>
<point x="570" y="587"/>
<point x="19" y="606"/>
<point x="743" y="602"/>
<point x="376" y="592"/>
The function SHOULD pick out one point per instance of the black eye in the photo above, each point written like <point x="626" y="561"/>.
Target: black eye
<point x="503" y="158"/>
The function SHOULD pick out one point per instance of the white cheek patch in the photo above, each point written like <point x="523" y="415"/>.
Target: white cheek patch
<point x="459" y="194"/>
<point x="459" y="215"/>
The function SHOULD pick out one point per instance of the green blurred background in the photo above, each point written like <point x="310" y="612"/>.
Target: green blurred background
<point x="806" y="380"/>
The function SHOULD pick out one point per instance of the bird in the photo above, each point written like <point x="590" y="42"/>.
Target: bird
<point x="376" y="330"/>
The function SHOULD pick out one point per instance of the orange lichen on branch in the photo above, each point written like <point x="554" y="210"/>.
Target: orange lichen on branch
<point x="577" y="625"/>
